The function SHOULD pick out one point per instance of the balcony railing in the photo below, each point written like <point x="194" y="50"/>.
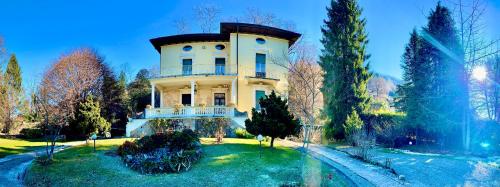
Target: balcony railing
<point x="219" y="70"/>
<point x="187" y="112"/>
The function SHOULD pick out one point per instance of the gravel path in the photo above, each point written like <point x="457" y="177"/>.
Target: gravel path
<point x="361" y="173"/>
<point x="13" y="167"/>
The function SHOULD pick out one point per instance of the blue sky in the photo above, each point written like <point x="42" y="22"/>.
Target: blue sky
<point x="40" y="31"/>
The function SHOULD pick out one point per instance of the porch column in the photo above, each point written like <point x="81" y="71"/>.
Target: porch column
<point x="192" y="93"/>
<point x="233" y="91"/>
<point x="152" y="95"/>
<point x="161" y="98"/>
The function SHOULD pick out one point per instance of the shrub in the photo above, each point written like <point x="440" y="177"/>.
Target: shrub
<point x="211" y="127"/>
<point x="388" y="128"/>
<point x="31" y="133"/>
<point x="162" y="153"/>
<point x="128" y="148"/>
<point x="273" y="119"/>
<point x="242" y="133"/>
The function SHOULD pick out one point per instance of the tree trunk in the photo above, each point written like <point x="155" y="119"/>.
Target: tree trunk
<point x="272" y="142"/>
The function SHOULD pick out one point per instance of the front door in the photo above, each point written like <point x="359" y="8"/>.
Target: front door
<point x="186" y="99"/>
<point x="219" y="99"/>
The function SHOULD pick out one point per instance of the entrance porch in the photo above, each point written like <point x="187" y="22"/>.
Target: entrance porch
<point x="193" y="96"/>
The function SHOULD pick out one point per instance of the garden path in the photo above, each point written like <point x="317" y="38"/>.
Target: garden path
<point x="353" y="168"/>
<point x="13" y="167"/>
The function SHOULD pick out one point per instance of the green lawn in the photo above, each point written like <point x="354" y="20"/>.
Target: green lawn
<point x="16" y="146"/>
<point x="236" y="162"/>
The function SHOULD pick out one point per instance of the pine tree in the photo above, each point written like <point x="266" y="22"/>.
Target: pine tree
<point x="13" y="98"/>
<point x="448" y="98"/>
<point x="343" y="60"/>
<point x="415" y="85"/>
<point x="139" y="91"/>
<point x="13" y="74"/>
<point x="434" y="93"/>
<point x="113" y="105"/>
<point x="273" y="120"/>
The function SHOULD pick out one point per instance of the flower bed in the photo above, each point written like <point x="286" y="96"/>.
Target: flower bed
<point x="172" y="152"/>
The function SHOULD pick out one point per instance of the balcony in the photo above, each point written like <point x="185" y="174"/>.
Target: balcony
<point x="189" y="112"/>
<point x="199" y="70"/>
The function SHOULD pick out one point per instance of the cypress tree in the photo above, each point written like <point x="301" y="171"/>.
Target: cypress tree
<point x="343" y="61"/>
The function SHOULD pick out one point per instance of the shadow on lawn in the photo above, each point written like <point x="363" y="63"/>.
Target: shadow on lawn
<point x="5" y="151"/>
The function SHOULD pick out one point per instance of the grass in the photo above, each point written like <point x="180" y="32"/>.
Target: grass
<point x="236" y="162"/>
<point x="16" y="146"/>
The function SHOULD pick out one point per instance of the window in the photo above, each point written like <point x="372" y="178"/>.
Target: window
<point x="187" y="66"/>
<point x="220" y="47"/>
<point x="260" y="40"/>
<point x="260" y="65"/>
<point x="259" y="94"/>
<point x="187" y="48"/>
<point x="220" y="66"/>
<point x="219" y="99"/>
<point x="186" y="99"/>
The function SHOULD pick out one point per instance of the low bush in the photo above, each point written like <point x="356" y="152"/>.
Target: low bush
<point x="162" y="153"/>
<point x="211" y="127"/>
<point x="242" y="133"/>
<point x="128" y="148"/>
<point x="31" y="133"/>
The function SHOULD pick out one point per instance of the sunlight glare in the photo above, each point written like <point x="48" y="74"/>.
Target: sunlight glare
<point x="479" y="73"/>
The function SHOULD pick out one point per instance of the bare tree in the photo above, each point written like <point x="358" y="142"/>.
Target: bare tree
<point x="379" y="88"/>
<point x="476" y="49"/>
<point x="3" y="99"/>
<point x="68" y="81"/>
<point x="181" y="25"/>
<point x="3" y="51"/>
<point x="305" y="80"/>
<point x="3" y="91"/>
<point x="256" y="16"/>
<point x="207" y="16"/>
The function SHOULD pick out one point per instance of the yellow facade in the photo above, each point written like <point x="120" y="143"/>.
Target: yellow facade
<point x="216" y="74"/>
<point x="240" y="67"/>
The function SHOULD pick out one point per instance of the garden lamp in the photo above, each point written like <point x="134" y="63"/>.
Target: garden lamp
<point x="260" y="138"/>
<point x="93" y="137"/>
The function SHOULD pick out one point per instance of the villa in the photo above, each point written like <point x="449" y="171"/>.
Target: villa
<point x="217" y="74"/>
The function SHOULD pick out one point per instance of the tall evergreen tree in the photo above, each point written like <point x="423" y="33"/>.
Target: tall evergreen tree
<point x="448" y="98"/>
<point x="13" y="73"/>
<point x="415" y="85"/>
<point x="434" y="95"/>
<point x="13" y="89"/>
<point x="139" y="91"/>
<point x="343" y="60"/>
<point x="114" y="109"/>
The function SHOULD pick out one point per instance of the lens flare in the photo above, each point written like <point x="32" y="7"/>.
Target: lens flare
<point x="479" y="73"/>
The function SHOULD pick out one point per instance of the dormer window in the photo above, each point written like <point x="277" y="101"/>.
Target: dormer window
<point x="260" y="40"/>
<point x="220" y="47"/>
<point x="187" y="48"/>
